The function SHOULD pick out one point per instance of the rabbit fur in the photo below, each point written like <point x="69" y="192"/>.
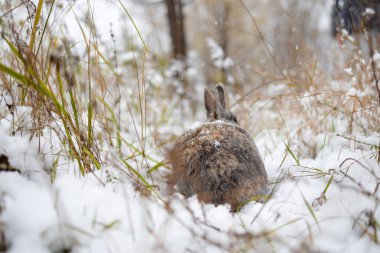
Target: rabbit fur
<point x="218" y="161"/>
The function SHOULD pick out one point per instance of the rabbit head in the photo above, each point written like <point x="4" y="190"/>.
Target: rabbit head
<point x="216" y="108"/>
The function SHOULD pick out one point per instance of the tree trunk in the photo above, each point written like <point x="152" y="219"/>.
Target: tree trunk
<point x="177" y="30"/>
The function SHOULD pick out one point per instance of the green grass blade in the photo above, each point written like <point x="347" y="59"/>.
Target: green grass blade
<point x="13" y="74"/>
<point x="45" y="26"/>
<point x="74" y="107"/>
<point x="60" y="84"/>
<point x="89" y="123"/>
<point x="156" y="167"/>
<point x="328" y="184"/>
<point x="137" y="174"/>
<point x="310" y="210"/>
<point x="292" y="154"/>
<point x="134" y="24"/>
<point x="35" y="23"/>
<point x="14" y="49"/>
<point x="111" y="225"/>
<point x="270" y="232"/>
<point x="93" y="159"/>
<point x="113" y="117"/>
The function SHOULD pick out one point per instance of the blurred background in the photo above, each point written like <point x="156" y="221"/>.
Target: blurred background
<point x="295" y="66"/>
<point x="95" y="92"/>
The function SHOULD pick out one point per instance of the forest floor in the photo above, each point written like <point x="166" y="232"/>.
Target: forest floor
<point x="83" y="138"/>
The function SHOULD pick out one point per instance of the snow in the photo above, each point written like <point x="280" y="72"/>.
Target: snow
<point x="217" y="55"/>
<point x="81" y="213"/>
<point x="29" y="212"/>
<point x="348" y="71"/>
<point x="369" y="11"/>
<point x="217" y="144"/>
<point x="104" y="211"/>
<point x="196" y="125"/>
<point x="376" y="57"/>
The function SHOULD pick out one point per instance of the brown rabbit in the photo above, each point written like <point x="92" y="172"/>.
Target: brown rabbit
<point x="218" y="161"/>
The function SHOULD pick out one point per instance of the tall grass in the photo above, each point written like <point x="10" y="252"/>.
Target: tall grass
<point x="105" y="119"/>
<point x="70" y="95"/>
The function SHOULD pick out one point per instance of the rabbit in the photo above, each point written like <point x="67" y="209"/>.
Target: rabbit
<point x="218" y="161"/>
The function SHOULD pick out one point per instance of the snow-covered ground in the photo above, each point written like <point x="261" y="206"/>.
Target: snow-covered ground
<point x="304" y="212"/>
<point x="323" y="183"/>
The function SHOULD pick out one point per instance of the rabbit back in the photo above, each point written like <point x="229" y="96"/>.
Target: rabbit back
<point x="220" y="163"/>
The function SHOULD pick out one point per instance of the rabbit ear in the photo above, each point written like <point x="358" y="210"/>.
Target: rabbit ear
<point x="210" y="104"/>
<point x="220" y="95"/>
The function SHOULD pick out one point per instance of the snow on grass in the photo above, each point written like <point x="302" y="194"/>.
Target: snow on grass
<point x="86" y="216"/>
<point x="326" y="201"/>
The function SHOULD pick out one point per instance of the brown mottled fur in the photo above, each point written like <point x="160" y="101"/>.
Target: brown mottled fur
<point x="218" y="161"/>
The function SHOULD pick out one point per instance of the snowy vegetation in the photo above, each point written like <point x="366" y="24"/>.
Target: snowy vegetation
<point x="91" y="101"/>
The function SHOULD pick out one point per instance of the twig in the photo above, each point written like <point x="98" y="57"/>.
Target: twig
<point x="355" y="140"/>
<point x="373" y="65"/>
<point x="14" y="8"/>
<point x="362" y="165"/>
<point x="262" y="38"/>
